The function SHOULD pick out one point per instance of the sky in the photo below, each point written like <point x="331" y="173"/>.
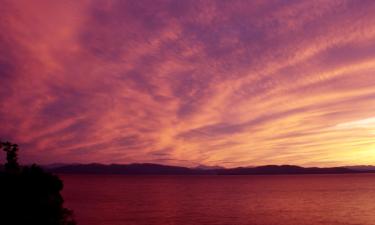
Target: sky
<point x="229" y="83"/>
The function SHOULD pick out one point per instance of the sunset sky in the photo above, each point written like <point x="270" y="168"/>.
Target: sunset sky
<point x="230" y="83"/>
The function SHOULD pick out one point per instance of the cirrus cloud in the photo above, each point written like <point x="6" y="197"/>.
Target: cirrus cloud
<point x="230" y="83"/>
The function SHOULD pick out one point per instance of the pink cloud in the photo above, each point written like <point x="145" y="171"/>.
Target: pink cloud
<point x="185" y="82"/>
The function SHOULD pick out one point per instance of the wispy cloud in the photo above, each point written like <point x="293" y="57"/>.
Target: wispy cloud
<point x="189" y="82"/>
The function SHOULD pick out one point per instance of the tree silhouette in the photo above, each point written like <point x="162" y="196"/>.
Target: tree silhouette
<point x="29" y="195"/>
<point x="11" y="150"/>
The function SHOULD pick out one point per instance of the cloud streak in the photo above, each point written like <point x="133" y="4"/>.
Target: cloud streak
<point x="230" y="83"/>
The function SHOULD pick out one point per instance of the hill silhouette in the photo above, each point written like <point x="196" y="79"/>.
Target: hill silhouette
<point x="29" y="195"/>
<point x="146" y="168"/>
<point x="156" y="169"/>
<point x="284" y="169"/>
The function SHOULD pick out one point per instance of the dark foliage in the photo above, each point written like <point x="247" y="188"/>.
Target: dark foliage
<point x="11" y="150"/>
<point x="30" y="195"/>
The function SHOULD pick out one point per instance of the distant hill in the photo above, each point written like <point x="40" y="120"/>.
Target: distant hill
<point x="284" y="169"/>
<point x="157" y="169"/>
<point x="203" y="167"/>
<point x="361" y="168"/>
<point x="146" y="168"/>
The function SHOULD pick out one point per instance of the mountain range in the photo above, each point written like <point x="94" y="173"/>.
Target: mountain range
<point x="157" y="169"/>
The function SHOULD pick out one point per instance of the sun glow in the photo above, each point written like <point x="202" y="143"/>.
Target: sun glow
<point x="231" y="83"/>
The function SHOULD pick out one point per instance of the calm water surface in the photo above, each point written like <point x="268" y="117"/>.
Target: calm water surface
<point x="221" y="200"/>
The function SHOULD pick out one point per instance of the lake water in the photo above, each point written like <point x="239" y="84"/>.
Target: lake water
<point x="221" y="200"/>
